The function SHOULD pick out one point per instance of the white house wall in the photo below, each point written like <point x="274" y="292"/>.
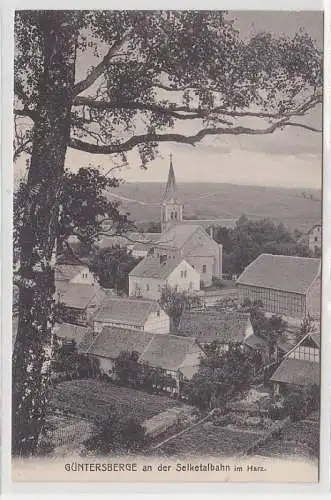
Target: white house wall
<point x="84" y="277"/>
<point x="149" y="288"/>
<point x="190" y="282"/>
<point x="157" y="322"/>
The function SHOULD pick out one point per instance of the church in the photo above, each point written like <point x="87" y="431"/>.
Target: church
<point x="180" y="240"/>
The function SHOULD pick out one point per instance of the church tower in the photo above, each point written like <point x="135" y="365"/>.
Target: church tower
<point x="171" y="208"/>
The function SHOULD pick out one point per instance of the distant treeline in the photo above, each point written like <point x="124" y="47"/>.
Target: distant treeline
<point x="248" y="239"/>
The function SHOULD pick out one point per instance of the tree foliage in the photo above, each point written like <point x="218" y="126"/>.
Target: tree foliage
<point x="117" y="431"/>
<point x="162" y="67"/>
<point x="174" y="302"/>
<point x="248" y="239"/>
<point x="112" y="266"/>
<point x="271" y="329"/>
<point x="152" y="72"/>
<point x="221" y="375"/>
<point x="85" y="210"/>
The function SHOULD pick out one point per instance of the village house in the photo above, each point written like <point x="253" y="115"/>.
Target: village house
<point x="286" y="285"/>
<point x="217" y="326"/>
<point x="176" y="356"/>
<point x="300" y="366"/>
<point x="80" y="301"/>
<point x="130" y="313"/>
<point x="152" y="274"/>
<point x="67" y="333"/>
<point x="66" y="272"/>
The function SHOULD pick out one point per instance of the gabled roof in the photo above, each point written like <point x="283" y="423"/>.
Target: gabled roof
<point x="71" y="332"/>
<point x="281" y="272"/>
<point x="168" y="352"/>
<point x="125" y="311"/>
<point x="314" y="336"/>
<point x="297" y="372"/>
<point x="65" y="272"/>
<point x="221" y="326"/>
<point x="112" y="340"/>
<point x="78" y="296"/>
<point x="177" y="235"/>
<point x="152" y="267"/>
<point x="255" y="342"/>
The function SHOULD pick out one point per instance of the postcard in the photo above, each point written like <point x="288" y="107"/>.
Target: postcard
<point x="167" y="246"/>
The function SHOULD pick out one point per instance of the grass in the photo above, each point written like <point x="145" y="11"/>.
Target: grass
<point x="300" y="439"/>
<point x="209" y="440"/>
<point x="89" y="398"/>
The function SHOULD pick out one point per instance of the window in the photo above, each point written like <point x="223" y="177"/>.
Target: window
<point x="183" y="274"/>
<point x="158" y="314"/>
<point x="159" y="290"/>
<point x="175" y="215"/>
<point x="204" y="268"/>
<point x="147" y="287"/>
<point x="172" y="215"/>
<point x="315" y="239"/>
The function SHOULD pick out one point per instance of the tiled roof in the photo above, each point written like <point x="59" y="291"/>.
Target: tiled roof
<point x="297" y="372"/>
<point x="71" y="332"/>
<point x="254" y="342"/>
<point x="158" y="350"/>
<point x="209" y="326"/>
<point x="168" y="351"/>
<point x="127" y="311"/>
<point x="67" y="271"/>
<point x="281" y="272"/>
<point x="151" y="267"/>
<point x="177" y="236"/>
<point x="111" y="341"/>
<point x="78" y="296"/>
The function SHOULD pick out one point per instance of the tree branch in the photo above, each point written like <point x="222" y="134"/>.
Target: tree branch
<point x="172" y="137"/>
<point x="100" y="68"/>
<point x="194" y="113"/>
<point x="175" y="112"/>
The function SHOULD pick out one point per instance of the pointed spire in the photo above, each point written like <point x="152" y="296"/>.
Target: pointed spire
<point x="171" y="188"/>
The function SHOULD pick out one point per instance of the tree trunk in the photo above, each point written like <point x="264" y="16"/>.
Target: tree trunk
<point x="34" y="341"/>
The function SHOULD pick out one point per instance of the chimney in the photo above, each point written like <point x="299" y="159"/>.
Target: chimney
<point x="211" y="232"/>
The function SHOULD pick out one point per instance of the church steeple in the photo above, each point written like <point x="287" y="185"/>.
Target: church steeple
<point x="170" y="193"/>
<point x="171" y="208"/>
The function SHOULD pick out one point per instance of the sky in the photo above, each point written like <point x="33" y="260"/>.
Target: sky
<point x="289" y="158"/>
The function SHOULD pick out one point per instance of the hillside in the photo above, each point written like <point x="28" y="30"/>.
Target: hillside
<point x="296" y="208"/>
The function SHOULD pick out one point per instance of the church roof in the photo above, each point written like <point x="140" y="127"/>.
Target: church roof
<point x="281" y="272"/>
<point x="177" y="235"/>
<point x="170" y="193"/>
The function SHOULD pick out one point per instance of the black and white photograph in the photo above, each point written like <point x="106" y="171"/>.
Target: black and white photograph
<point x="167" y="245"/>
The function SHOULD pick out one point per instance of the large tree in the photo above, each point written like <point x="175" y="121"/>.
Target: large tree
<point x="153" y="72"/>
<point x="85" y="210"/>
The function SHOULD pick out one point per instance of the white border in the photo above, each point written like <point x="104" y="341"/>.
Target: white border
<point x="35" y="489"/>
